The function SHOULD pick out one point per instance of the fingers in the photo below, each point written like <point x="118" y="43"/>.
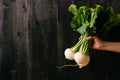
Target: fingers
<point x="80" y="37"/>
<point x="90" y="38"/>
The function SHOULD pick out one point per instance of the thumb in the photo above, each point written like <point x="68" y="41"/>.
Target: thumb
<point x="90" y="38"/>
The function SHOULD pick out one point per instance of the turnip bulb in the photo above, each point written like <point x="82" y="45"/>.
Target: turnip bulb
<point x="81" y="59"/>
<point x="69" y="54"/>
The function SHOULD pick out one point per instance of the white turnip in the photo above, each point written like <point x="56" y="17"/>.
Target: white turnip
<point x="69" y="54"/>
<point x="81" y="59"/>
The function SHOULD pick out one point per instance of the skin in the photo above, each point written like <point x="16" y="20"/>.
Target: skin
<point x="104" y="45"/>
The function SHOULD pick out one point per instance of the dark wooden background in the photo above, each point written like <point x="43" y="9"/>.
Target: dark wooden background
<point x="34" y="35"/>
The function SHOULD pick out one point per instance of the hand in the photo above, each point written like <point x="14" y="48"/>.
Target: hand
<point x="97" y="43"/>
<point x="103" y="45"/>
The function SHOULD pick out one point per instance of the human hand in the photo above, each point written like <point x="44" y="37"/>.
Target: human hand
<point x="104" y="45"/>
<point x="97" y="43"/>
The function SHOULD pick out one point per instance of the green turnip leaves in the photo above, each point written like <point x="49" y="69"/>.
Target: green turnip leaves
<point x="93" y="20"/>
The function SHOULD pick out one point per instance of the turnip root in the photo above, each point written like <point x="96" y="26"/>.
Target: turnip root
<point x="81" y="59"/>
<point x="69" y="54"/>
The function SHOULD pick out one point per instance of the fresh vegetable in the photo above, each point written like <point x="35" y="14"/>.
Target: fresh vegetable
<point x="81" y="59"/>
<point x="89" y="21"/>
<point x="69" y="54"/>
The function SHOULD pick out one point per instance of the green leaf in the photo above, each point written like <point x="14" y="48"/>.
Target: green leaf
<point x="73" y="9"/>
<point x="76" y="22"/>
<point x="93" y="20"/>
<point x="113" y="21"/>
<point x="83" y="28"/>
<point x="94" y="14"/>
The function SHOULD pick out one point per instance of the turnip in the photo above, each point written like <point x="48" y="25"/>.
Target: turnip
<point x="69" y="54"/>
<point x="81" y="59"/>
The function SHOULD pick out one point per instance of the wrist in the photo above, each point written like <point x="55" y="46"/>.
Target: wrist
<point x="103" y="45"/>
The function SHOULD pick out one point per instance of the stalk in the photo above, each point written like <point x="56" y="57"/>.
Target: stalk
<point x="85" y="45"/>
<point x="77" y="46"/>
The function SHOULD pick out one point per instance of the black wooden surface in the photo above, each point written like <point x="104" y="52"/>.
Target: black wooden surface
<point x="34" y="35"/>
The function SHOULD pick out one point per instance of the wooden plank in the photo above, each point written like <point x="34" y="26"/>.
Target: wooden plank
<point x="21" y="38"/>
<point x="44" y="39"/>
<point x="6" y="66"/>
<point x="16" y="53"/>
<point x="1" y="36"/>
